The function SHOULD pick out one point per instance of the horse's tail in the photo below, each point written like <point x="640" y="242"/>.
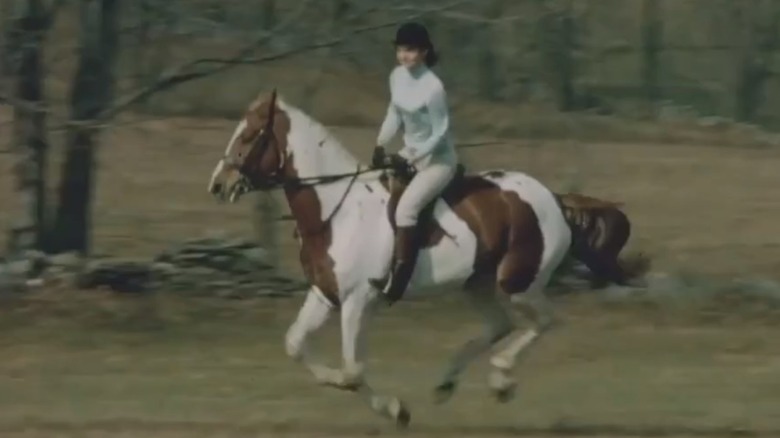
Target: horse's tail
<point x="600" y="230"/>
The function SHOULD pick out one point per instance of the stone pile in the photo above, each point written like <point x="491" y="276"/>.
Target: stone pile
<point x="221" y="267"/>
<point x="200" y="267"/>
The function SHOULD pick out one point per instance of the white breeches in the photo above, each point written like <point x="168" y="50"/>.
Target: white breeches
<point x="426" y="185"/>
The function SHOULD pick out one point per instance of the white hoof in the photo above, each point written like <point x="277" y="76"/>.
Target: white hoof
<point x="502" y="386"/>
<point x="444" y="391"/>
<point x="399" y="413"/>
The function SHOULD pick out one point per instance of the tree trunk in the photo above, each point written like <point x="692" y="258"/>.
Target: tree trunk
<point x="754" y="54"/>
<point x="23" y="59"/>
<point x="490" y="80"/>
<point x="91" y="94"/>
<point x="652" y="29"/>
<point x="6" y="33"/>
<point x="266" y="216"/>
<point x="144" y="49"/>
<point x="556" y="33"/>
<point x="268" y="14"/>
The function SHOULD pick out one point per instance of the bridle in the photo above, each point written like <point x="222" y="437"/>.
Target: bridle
<point x="278" y="179"/>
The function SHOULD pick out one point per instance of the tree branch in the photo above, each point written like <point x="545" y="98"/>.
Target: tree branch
<point x="200" y="68"/>
<point x="52" y="12"/>
<point x="184" y="73"/>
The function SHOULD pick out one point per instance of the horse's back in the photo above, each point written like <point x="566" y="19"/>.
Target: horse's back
<point x="539" y="198"/>
<point x="479" y="217"/>
<point x="497" y="203"/>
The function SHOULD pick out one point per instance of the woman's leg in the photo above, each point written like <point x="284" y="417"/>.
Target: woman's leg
<point x="423" y="189"/>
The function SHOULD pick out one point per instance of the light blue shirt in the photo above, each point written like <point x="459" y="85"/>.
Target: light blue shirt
<point x="419" y="104"/>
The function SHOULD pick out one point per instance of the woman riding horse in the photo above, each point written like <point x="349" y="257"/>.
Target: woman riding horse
<point x="419" y="104"/>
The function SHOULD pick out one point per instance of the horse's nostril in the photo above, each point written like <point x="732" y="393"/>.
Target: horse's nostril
<point x="216" y="188"/>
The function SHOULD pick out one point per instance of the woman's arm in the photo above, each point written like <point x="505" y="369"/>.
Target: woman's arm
<point x="392" y="122"/>
<point x="390" y="126"/>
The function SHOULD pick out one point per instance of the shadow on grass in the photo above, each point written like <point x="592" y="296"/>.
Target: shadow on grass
<point x="154" y="428"/>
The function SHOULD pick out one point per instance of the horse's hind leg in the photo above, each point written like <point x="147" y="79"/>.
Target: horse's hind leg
<point x="497" y="325"/>
<point x="533" y="305"/>
<point x="536" y="308"/>
<point x="605" y="269"/>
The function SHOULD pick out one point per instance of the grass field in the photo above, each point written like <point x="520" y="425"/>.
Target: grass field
<point x="85" y="364"/>
<point x="98" y="366"/>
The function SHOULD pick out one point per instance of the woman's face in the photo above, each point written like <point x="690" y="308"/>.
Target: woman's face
<point x="410" y="57"/>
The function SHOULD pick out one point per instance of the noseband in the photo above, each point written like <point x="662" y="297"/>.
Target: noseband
<point x="259" y="146"/>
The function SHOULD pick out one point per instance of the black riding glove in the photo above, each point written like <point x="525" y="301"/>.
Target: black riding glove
<point x="379" y="157"/>
<point x="401" y="166"/>
<point x="397" y="162"/>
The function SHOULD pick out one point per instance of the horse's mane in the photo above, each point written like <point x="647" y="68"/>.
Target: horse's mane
<point x="324" y="153"/>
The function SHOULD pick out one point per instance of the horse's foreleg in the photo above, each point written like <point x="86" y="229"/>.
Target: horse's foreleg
<point x="356" y="313"/>
<point x="311" y="317"/>
<point x="535" y="306"/>
<point x="497" y="325"/>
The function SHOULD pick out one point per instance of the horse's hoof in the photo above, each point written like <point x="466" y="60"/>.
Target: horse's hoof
<point x="403" y="419"/>
<point x="443" y="392"/>
<point x="505" y="393"/>
<point x="400" y="413"/>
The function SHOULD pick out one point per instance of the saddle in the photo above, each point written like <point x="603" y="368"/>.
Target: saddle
<point x="396" y="184"/>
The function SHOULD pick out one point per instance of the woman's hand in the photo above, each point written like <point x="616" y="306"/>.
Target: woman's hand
<point x="379" y="158"/>
<point x="401" y="167"/>
<point x="397" y="162"/>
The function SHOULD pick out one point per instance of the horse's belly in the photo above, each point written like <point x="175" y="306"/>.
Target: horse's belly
<point x="453" y="256"/>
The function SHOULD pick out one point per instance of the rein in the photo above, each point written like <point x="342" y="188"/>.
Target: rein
<point x="336" y="209"/>
<point x="313" y="181"/>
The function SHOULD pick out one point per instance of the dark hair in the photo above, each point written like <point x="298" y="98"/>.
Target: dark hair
<point x="431" y="57"/>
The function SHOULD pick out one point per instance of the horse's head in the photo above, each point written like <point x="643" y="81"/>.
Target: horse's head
<point x="256" y="155"/>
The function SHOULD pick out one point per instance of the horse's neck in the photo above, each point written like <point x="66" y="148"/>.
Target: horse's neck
<point x="316" y="153"/>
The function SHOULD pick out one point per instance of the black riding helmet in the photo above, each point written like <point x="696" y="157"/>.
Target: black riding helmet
<point x="416" y="35"/>
<point x="413" y="35"/>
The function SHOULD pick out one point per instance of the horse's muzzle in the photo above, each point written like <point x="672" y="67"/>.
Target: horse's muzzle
<point x="229" y="192"/>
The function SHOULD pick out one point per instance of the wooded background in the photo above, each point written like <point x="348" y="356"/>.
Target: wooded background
<point x="71" y="68"/>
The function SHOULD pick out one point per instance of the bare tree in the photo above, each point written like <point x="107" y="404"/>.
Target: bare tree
<point x="266" y="207"/>
<point x="23" y="58"/>
<point x="759" y="40"/>
<point x="269" y="14"/>
<point x="490" y="80"/>
<point x="652" y="31"/>
<point x="91" y="94"/>
<point x="6" y="34"/>
<point x="154" y="18"/>
<point x="556" y="36"/>
<point x="93" y="103"/>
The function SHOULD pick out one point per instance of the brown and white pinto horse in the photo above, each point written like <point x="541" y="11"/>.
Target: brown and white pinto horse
<point x="498" y="234"/>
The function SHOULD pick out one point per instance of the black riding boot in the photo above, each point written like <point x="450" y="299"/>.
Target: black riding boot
<point x="407" y="246"/>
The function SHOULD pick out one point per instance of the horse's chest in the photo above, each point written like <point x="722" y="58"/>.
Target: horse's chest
<point x="317" y="264"/>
